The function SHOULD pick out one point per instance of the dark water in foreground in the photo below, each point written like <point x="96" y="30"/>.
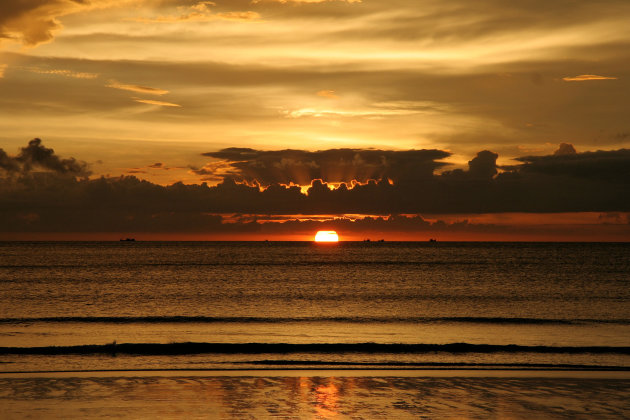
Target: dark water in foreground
<point x="104" y="306"/>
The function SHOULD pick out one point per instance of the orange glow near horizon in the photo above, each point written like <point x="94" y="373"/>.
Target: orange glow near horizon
<point x="326" y="236"/>
<point x="501" y="227"/>
<point x="552" y="233"/>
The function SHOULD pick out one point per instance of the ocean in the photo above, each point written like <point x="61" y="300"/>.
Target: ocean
<point x="94" y="310"/>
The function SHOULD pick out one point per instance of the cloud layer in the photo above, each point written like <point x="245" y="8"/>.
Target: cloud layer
<point x="375" y="86"/>
<point x="43" y="192"/>
<point x="334" y="165"/>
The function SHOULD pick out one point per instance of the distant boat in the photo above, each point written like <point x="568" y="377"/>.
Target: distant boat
<point x="128" y="240"/>
<point x="432" y="240"/>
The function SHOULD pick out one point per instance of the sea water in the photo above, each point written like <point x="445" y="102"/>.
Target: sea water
<point x="306" y="330"/>
<point x="240" y="305"/>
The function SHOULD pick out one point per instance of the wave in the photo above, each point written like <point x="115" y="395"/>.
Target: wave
<point x="438" y="365"/>
<point x="282" y="320"/>
<point x="290" y="365"/>
<point x="285" y="348"/>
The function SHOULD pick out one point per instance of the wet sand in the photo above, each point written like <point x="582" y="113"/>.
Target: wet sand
<point x="322" y="394"/>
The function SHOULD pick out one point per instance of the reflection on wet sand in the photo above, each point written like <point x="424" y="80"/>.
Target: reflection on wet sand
<point x="326" y="400"/>
<point x="316" y="397"/>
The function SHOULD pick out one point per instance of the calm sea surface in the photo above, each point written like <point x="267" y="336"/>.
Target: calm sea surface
<point x="243" y="305"/>
<point x="304" y="330"/>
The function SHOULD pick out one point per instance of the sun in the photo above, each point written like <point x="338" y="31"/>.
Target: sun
<point x="326" y="236"/>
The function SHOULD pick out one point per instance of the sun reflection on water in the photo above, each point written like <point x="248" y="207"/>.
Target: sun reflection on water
<point x="327" y="398"/>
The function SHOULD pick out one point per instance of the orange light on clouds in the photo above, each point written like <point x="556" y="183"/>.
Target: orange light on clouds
<point x="326" y="236"/>
<point x="587" y="77"/>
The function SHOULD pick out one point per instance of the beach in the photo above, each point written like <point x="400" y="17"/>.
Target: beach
<point x="317" y="394"/>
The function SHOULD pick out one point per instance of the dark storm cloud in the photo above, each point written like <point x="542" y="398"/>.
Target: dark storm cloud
<point x="333" y="165"/>
<point x="36" y="156"/>
<point x="600" y="165"/>
<point x="42" y="192"/>
<point x="565" y="149"/>
<point x="8" y="163"/>
<point x="484" y="165"/>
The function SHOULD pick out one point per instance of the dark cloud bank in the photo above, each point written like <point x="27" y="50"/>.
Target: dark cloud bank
<point x="41" y="192"/>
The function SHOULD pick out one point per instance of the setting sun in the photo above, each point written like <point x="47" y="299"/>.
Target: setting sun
<point x="326" y="236"/>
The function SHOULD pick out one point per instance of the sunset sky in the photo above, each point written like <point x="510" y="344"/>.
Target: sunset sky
<point x="485" y="120"/>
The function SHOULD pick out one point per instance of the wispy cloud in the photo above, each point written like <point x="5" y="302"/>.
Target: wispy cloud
<point x="63" y="72"/>
<point x="152" y="102"/>
<point x="163" y="167"/>
<point x="374" y="111"/>
<point x="199" y="12"/>
<point x="3" y="67"/>
<point x="587" y="77"/>
<point x="304" y="1"/>
<point x="330" y="94"/>
<point x="136" y="88"/>
<point x="364" y="113"/>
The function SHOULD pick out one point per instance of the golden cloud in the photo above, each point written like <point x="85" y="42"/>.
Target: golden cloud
<point x="376" y="110"/>
<point x="333" y="113"/>
<point x="159" y="103"/>
<point x="136" y="88"/>
<point x="66" y="73"/>
<point x="304" y="1"/>
<point x="199" y="12"/>
<point x="34" y="22"/>
<point x="3" y="67"/>
<point x="330" y="94"/>
<point x="587" y="77"/>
